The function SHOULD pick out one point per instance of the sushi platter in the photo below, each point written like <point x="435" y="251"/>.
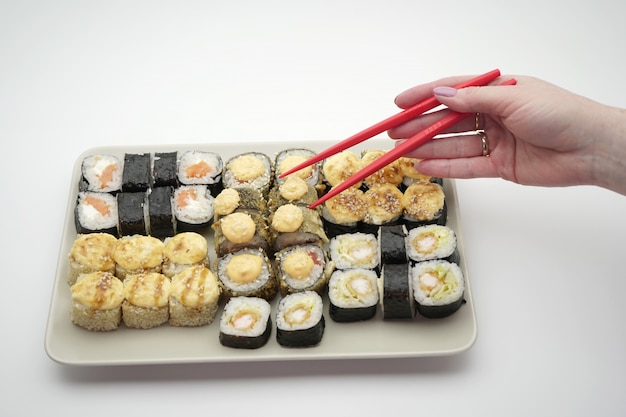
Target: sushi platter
<point x="382" y="334"/>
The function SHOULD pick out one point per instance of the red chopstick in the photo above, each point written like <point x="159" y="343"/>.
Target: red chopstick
<point x="395" y="120"/>
<point x="408" y="145"/>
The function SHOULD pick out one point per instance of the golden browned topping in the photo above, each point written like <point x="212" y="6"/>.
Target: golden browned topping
<point x="94" y="250"/>
<point x="390" y="174"/>
<point x="293" y="188"/>
<point x="291" y="161"/>
<point x="195" y="286"/>
<point x="287" y="218"/>
<point x="238" y="227"/>
<point x="340" y="166"/>
<point x="384" y="203"/>
<point x="349" y="206"/>
<point x="244" y="268"/>
<point x="423" y="200"/>
<point x="186" y="248"/>
<point x="247" y="167"/>
<point x="98" y="291"/>
<point x="298" y="264"/>
<point x="147" y="290"/>
<point x="138" y="252"/>
<point x="226" y="201"/>
<point x="409" y="169"/>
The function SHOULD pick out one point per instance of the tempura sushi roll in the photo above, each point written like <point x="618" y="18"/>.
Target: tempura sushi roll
<point x="132" y="213"/>
<point x="137" y="175"/>
<point x="438" y="288"/>
<point x="165" y="169"/>
<point x="91" y="253"/>
<point x="391" y="174"/>
<point x="411" y="173"/>
<point x="137" y="253"/>
<point x="344" y="212"/>
<point x="240" y="230"/>
<point x="194" y="297"/>
<point x="392" y="244"/>
<point x="146" y="300"/>
<point x="302" y="268"/>
<point x="354" y="250"/>
<point x="300" y="320"/>
<point x="353" y="295"/>
<point x="432" y="242"/>
<point x="247" y="272"/>
<point x="289" y="158"/>
<point x="293" y="225"/>
<point x="193" y="207"/>
<point x="201" y="168"/>
<point x="101" y="173"/>
<point x="249" y="170"/>
<point x="246" y="323"/>
<point x="96" y="212"/>
<point x="161" y="219"/>
<point x="244" y="199"/>
<point x="397" y="297"/>
<point x="292" y="190"/>
<point x="184" y="250"/>
<point x="424" y="203"/>
<point x="339" y="167"/>
<point x="384" y="207"/>
<point x="97" y="301"/>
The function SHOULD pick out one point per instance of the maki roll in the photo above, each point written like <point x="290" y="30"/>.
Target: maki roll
<point x="432" y="242"/>
<point x="391" y="174"/>
<point x="146" y="300"/>
<point x="194" y="297"/>
<point x="91" y="253"/>
<point x="184" y="250"/>
<point x="339" y="167"/>
<point x="354" y="250"/>
<point x="249" y="170"/>
<point x="101" y="173"/>
<point x="410" y="172"/>
<point x="302" y="268"/>
<point x="292" y="190"/>
<point x="438" y="288"/>
<point x="247" y="272"/>
<point x="292" y="225"/>
<point x="245" y="323"/>
<point x="97" y="301"/>
<point x="240" y="230"/>
<point x="96" y="212"/>
<point x="137" y="172"/>
<point x="353" y="295"/>
<point x="136" y="254"/>
<point x="300" y="320"/>
<point x="289" y="158"/>
<point x="398" y="301"/>
<point x="247" y="200"/>
<point x="161" y="220"/>
<point x="165" y="169"/>
<point x="343" y="212"/>
<point x="201" y="168"/>
<point x="131" y="208"/>
<point x="193" y="207"/>
<point x="384" y="207"/>
<point x="424" y="203"/>
<point x="392" y="244"/>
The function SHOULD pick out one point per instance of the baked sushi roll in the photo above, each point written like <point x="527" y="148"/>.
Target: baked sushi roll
<point x="247" y="273"/>
<point x="302" y="268"/>
<point x="240" y="230"/>
<point x="344" y="212"/>
<point x="438" y="288"/>
<point x="137" y="174"/>
<point x="132" y="213"/>
<point x="249" y="170"/>
<point x="201" y="168"/>
<point x="292" y="190"/>
<point x="430" y="242"/>
<point x="161" y="219"/>
<point x="289" y="158"/>
<point x="246" y="323"/>
<point x="193" y="207"/>
<point x="424" y="203"/>
<point x="247" y="200"/>
<point x="392" y="244"/>
<point x="96" y="212"/>
<point x="194" y="297"/>
<point x="97" y="301"/>
<point x="91" y="253"/>
<point x="410" y="172"/>
<point x="184" y="250"/>
<point x="101" y="173"/>
<point x="384" y="207"/>
<point x="397" y="297"/>
<point x="353" y="295"/>
<point x="339" y="167"/>
<point x="136" y="254"/>
<point x="391" y="174"/>
<point x="354" y="250"/>
<point x="146" y="300"/>
<point x="300" y="320"/>
<point x="293" y="225"/>
<point x="165" y="169"/>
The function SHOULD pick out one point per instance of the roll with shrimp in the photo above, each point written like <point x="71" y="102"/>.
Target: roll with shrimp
<point x="398" y="301"/>
<point x="353" y="295"/>
<point x="354" y="250"/>
<point x="245" y="323"/>
<point x="300" y="320"/>
<point x="438" y="288"/>
<point x="432" y="241"/>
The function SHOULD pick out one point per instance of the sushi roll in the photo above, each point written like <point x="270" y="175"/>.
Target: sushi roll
<point x="410" y="172"/>
<point x="194" y="297"/>
<point x="146" y="300"/>
<point x="97" y="302"/>
<point x="247" y="272"/>
<point x="91" y="253"/>
<point x="96" y="212"/>
<point x="165" y="169"/>
<point x="249" y="170"/>
<point x="392" y="244"/>
<point x="132" y="213"/>
<point x="292" y="190"/>
<point x="424" y="203"/>
<point x="246" y="323"/>
<point x="339" y="167"/>
<point x="161" y="220"/>
<point x="438" y="288"/>
<point x="353" y="295"/>
<point x="136" y="254"/>
<point x="248" y="200"/>
<point x="289" y="158"/>
<point x="300" y="320"/>
<point x="201" y="168"/>
<point x="432" y="242"/>
<point x="184" y="250"/>
<point x="137" y="175"/>
<point x="240" y="230"/>
<point x="391" y="174"/>
<point x="344" y="212"/>
<point x="101" y="173"/>
<point x="397" y="298"/>
<point x="292" y="225"/>
<point x="354" y="250"/>
<point x="384" y="207"/>
<point x="302" y="268"/>
<point x="193" y="207"/>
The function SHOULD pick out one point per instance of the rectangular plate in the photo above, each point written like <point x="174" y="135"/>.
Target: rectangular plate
<point x="376" y="338"/>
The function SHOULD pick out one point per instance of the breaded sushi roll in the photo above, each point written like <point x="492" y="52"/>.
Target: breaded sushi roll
<point x="244" y="199"/>
<point x="136" y="254"/>
<point x="193" y="207"/>
<point x="247" y="273"/>
<point x="246" y="323"/>
<point x="101" y="173"/>
<point x="354" y="250"/>
<point x="293" y="225"/>
<point x="424" y="203"/>
<point x="300" y="320"/>
<point x="430" y="242"/>
<point x="146" y="300"/>
<point x="344" y="212"/>
<point x="249" y="170"/>
<point x="397" y="299"/>
<point x="292" y="190"/>
<point x="97" y="301"/>
<point x="240" y="230"/>
<point x="184" y="250"/>
<point x="96" y="212"/>
<point x="438" y="288"/>
<point x="201" y="168"/>
<point x="353" y="295"/>
<point x="289" y="158"/>
<point x="384" y="207"/>
<point x="391" y="174"/>
<point x="91" y="253"/>
<point x="411" y="173"/>
<point x="194" y="297"/>
<point x="339" y="167"/>
<point x="302" y="268"/>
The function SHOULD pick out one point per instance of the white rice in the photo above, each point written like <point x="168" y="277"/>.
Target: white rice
<point x="309" y="315"/>
<point x="245" y="316"/>
<point x="354" y="250"/>
<point x="190" y="158"/>
<point x="430" y="242"/>
<point x="198" y="211"/>
<point x="425" y="273"/>
<point x="353" y="288"/>
<point x="245" y="287"/>
<point x="90" y="218"/>
<point x="317" y="272"/>
<point x="93" y="167"/>
<point x="261" y="182"/>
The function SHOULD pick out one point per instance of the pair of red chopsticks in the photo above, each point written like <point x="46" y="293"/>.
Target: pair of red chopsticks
<point x="408" y="145"/>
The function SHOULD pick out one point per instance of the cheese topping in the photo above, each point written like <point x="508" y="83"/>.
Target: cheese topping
<point x="349" y="206"/>
<point x="392" y="173"/>
<point x="94" y="250"/>
<point x="244" y="268"/>
<point x="137" y="252"/>
<point x="340" y="166"/>
<point x="293" y="188"/>
<point x="409" y="169"/>
<point x="195" y="286"/>
<point x="98" y="291"/>
<point x="291" y="161"/>
<point x="186" y="248"/>
<point x="287" y="218"/>
<point x="247" y="167"/>
<point x="226" y="202"/>
<point x="423" y="200"/>
<point x="384" y="203"/>
<point x="298" y="264"/>
<point x="147" y="290"/>
<point x="238" y="227"/>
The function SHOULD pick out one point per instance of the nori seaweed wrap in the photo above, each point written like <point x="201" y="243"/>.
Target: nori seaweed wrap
<point x="438" y="288"/>
<point x="160" y="212"/>
<point x="131" y="213"/>
<point x="353" y="295"/>
<point x="392" y="244"/>
<point x="245" y="323"/>
<point x="398" y="301"/>
<point x="137" y="172"/>
<point x="300" y="320"/>
<point x="164" y="169"/>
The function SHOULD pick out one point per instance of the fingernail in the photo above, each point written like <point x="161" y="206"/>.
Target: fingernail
<point x="444" y="91"/>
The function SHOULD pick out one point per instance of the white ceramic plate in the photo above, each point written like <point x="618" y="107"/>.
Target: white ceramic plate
<point x="376" y="338"/>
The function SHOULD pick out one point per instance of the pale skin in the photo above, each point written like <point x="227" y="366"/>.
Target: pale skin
<point x="539" y="134"/>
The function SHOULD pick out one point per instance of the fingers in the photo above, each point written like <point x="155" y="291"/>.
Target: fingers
<point x="418" y="93"/>
<point x="449" y="147"/>
<point x="475" y="167"/>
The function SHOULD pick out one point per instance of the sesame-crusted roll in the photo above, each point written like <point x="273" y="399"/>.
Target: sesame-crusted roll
<point x="97" y="301"/>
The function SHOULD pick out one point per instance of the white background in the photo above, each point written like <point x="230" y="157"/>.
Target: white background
<point x="546" y="264"/>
